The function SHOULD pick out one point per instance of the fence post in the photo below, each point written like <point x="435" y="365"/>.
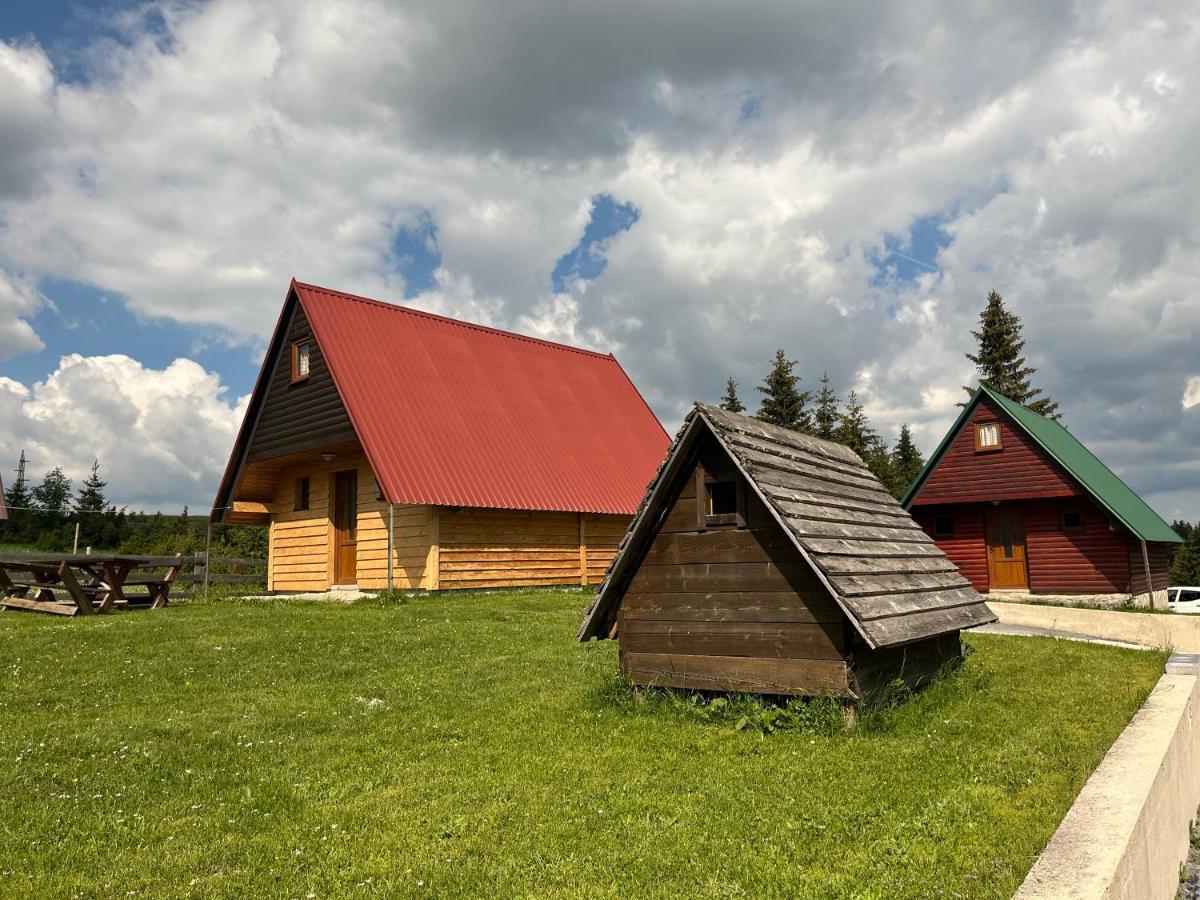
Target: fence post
<point x="200" y="570"/>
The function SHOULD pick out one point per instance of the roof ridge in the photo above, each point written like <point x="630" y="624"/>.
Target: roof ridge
<point x="488" y="329"/>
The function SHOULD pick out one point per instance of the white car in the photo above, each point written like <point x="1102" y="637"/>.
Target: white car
<point x="1184" y="599"/>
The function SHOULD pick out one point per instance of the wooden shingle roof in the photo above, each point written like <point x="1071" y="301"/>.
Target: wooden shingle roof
<point x="885" y="573"/>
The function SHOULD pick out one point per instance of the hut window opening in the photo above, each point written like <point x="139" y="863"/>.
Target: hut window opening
<point x="722" y="503"/>
<point x="987" y="436"/>
<point x="943" y="525"/>
<point x="303" y="486"/>
<point x="1071" y="521"/>
<point x="299" y="361"/>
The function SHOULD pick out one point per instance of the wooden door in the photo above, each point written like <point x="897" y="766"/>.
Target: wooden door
<point x="1006" y="550"/>
<point x="345" y="528"/>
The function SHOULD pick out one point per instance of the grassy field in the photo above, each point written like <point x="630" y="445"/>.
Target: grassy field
<point x="464" y="745"/>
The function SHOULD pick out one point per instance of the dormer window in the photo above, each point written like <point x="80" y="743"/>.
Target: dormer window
<point x="299" y="361"/>
<point x="987" y="436"/>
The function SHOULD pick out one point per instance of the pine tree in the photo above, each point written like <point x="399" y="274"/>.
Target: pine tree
<point x="783" y="403"/>
<point x="879" y="460"/>
<point x="999" y="362"/>
<point x="1185" y="564"/>
<point x="853" y="428"/>
<point x="91" y="497"/>
<point x="825" y="417"/>
<point x="730" y="401"/>
<point x="907" y="462"/>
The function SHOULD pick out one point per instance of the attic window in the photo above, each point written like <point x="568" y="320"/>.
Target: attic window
<point x="722" y="504"/>
<point x="987" y="436"/>
<point x="299" y="361"/>
<point x="1070" y="521"/>
<point x="943" y="525"/>
<point x="303" y="486"/>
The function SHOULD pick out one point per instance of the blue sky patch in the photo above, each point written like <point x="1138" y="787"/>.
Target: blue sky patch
<point x="90" y="322"/>
<point x="904" y="257"/>
<point x="416" y="255"/>
<point x="586" y="261"/>
<point x="751" y="108"/>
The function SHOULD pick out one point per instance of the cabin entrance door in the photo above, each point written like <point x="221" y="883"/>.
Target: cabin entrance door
<point x="1006" y="551"/>
<point x="345" y="527"/>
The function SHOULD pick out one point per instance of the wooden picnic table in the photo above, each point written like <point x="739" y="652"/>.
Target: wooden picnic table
<point x="88" y="584"/>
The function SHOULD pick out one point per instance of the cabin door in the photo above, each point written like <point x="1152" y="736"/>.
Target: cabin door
<point x="1006" y="551"/>
<point x="345" y="528"/>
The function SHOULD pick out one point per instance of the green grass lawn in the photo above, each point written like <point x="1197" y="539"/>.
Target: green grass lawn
<point x="465" y="745"/>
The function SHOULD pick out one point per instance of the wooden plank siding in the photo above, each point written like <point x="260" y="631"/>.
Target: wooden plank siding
<point x="1021" y="470"/>
<point x="1159" y="564"/>
<point x="301" y="540"/>
<point x="1095" y="560"/>
<point x="306" y="415"/>
<point x="730" y="608"/>
<point x="487" y="548"/>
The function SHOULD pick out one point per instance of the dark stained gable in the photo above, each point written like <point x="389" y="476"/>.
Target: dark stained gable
<point x="885" y="573"/>
<point x="306" y="415"/>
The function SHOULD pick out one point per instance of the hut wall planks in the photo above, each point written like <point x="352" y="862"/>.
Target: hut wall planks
<point x="730" y="608"/>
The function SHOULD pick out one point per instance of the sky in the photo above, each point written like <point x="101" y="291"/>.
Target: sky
<point x="689" y="185"/>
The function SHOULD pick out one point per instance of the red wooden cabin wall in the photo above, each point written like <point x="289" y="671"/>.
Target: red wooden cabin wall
<point x="1020" y="471"/>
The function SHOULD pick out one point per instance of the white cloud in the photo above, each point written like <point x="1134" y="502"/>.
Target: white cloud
<point x="162" y="435"/>
<point x="19" y="299"/>
<point x="196" y="170"/>
<point x="1191" y="392"/>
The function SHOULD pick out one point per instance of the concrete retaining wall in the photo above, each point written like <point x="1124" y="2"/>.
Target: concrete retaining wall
<point x="1169" y="631"/>
<point x="1128" y="831"/>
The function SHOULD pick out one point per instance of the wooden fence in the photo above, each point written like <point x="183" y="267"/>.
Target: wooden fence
<point x="194" y="566"/>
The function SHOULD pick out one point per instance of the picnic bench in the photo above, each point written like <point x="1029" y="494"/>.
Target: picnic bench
<point x="84" y="585"/>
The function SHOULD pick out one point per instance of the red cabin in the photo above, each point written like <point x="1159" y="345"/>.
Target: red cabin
<point x="1021" y="506"/>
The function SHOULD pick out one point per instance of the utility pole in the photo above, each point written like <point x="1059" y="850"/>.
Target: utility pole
<point x="21" y="472"/>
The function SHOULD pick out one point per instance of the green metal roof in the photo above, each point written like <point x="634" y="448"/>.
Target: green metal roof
<point x="1064" y="448"/>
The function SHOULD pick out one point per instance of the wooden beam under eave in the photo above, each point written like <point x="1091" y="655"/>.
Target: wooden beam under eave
<point x="433" y="562"/>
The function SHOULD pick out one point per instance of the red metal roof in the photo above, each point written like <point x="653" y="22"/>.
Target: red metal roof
<point x="456" y="414"/>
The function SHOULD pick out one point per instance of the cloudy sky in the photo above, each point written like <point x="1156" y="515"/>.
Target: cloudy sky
<point x="689" y="185"/>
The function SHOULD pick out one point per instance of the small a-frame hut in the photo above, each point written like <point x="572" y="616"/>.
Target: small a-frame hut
<point x="768" y="561"/>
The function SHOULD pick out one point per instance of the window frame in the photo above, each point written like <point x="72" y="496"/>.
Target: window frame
<point x="297" y="375"/>
<point x="1070" y="529"/>
<point x="981" y="447"/>
<point x="707" y="519"/>
<point x="302" y="496"/>
<point x="943" y="533"/>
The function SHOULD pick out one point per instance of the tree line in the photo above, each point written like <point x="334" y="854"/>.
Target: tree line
<point x="999" y="363"/>
<point x="44" y="517"/>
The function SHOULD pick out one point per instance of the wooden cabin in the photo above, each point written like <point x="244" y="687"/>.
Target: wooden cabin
<point x="388" y="447"/>
<point x="768" y="561"/>
<point x="1023" y="508"/>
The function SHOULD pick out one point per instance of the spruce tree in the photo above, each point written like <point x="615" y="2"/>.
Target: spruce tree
<point x="730" y="401"/>
<point x="907" y="462"/>
<point x="53" y="495"/>
<point x="91" y="497"/>
<point x="783" y="402"/>
<point x="853" y="428"/>
<point x="879" y="460"/>
<point x="1185" y="564"/>
<point x="825" y="416"/>
<point x="999" y="362"/>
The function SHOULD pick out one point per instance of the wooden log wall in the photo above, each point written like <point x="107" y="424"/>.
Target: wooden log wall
<point x="1021" y="470"/>
<point x="1095" y="560"/>
<point x="967" y="547"/>
<point x="301" y="540"/>
<point x="730" y="609"/>
<point x="488" y="548"/>
<point x="1159" y="564"/>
